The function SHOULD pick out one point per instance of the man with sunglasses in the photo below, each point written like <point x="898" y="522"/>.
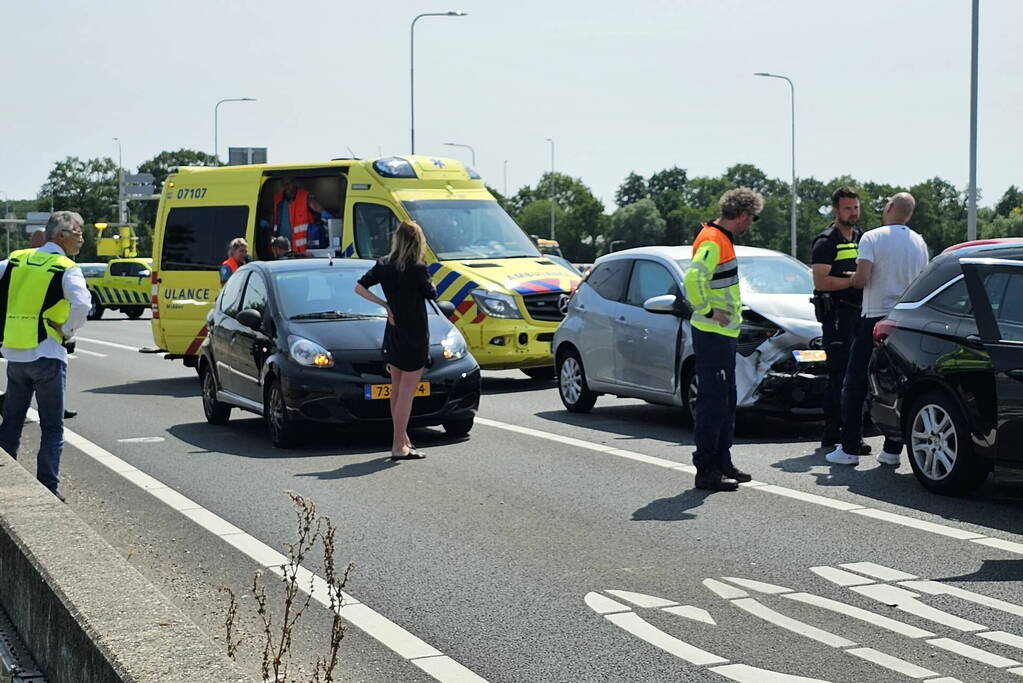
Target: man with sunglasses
<point x="43" y="303"/>
<point x="712" y="287"/>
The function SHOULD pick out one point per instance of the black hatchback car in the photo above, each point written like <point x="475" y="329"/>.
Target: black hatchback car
<point x="947" y="370"/>
<point x="291" y="341"/>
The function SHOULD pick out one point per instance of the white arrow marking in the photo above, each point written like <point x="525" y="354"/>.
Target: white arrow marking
<point x="641" y="600"/>
<point x="758" y="586"/>
<point x="907" y="602"/>
<point x="604" y="605"/>
<point x="892" y="663"/>
<point x="789" y="624"/>
<point x="690" y="612"/>
<point x="751" y="674"/>
<point x="935" y="588"/>
<point x="839" y="576"/>
<point x="637" y="626"/>
<point x="975" y="653"/>
<point x="863" y="615"/>
<point x="878" y="571"/>
<point x="723" y="590"/>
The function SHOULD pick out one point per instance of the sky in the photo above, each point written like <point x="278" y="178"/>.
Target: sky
<point x="881" y="86"/>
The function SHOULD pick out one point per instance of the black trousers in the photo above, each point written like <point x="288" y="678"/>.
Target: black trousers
<point x="714" y="421"/>
<point x="839" y="328"/>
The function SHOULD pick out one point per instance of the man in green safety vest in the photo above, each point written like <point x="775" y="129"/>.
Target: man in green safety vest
<point x="43" y="302"/>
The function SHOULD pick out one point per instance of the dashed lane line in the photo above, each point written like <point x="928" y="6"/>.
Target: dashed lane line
<point x="87" y="352"/>
<point x="389" y="634"/>
<point x="103" y="342"/>
<point x="839" y="505"/>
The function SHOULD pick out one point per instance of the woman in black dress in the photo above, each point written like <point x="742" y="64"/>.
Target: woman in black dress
<point x="406" y="283"/>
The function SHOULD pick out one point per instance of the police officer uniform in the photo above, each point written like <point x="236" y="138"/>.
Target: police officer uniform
<point x="837" y="312"/>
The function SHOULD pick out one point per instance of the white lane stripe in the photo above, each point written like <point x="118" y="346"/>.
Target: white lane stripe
<point x="789" y="624"/>
<point x="643" y="600"/>
<point x="878" y="571"/>
<point x="974" y="653"/>
<point x="758" y="586"/>
<point x="751" y="674"/>
<point x="904" y="600"/>
<point x="723" y="590"/>
<point x="867" y="616"/>
<point x="881" y="515"/>
<point x="103" y="342"/>
<point x="840" y="576"/>
<point x="637" y="626"/>
<point x="87" y="352"/>
<point x="936" y="588"/>
<point x="893" y="663"/>
<point x="374" y="624"/>
<point x="1010" y="639"/>
<point x="691" y="612"/>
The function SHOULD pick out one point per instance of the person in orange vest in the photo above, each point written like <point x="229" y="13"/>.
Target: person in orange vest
<point x="237" y="256"/>
<point x="293" y="212"/>
<point x="712" y="287"/>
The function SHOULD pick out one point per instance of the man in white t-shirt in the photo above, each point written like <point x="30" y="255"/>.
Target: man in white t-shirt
<point x="889" y="259"/>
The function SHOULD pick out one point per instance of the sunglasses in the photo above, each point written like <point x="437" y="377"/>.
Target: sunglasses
<point x="756" y="217"/>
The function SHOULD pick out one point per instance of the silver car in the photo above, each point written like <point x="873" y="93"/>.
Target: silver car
<point x="627" y="333"/>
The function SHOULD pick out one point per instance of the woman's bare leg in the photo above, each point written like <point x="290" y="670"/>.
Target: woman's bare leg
<point x="406" y="390"/>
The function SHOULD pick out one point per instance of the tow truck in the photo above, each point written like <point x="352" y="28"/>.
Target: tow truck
<point x="124" y="286"/>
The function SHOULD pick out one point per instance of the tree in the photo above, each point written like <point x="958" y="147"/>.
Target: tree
<point x="1012" y="199"/>
<point x="160" y="166"/>
<point x="632" y="190"/>
<point x="670" y="179"/>
<point x="88" y="187"/>
<point x="638" y="224"/>
<point x="580" y="222"/>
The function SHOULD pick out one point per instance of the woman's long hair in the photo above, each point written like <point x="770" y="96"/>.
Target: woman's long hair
<point x="408" y="245"/>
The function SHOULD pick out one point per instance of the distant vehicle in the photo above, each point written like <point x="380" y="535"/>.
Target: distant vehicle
<point x="291" y="341"/>
<point x="93" y="270"/>
<point x="583" y="267"/>
<point x="627" y="333"/>
<point x="549" y="247"/>
<point x="946" y="375"/>
<point x="122" y="286"/>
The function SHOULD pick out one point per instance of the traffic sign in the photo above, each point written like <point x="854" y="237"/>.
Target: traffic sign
<point x="35" y="220"/>
<point x="139" y="185"/>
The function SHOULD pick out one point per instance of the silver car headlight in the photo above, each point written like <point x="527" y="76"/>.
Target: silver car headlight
<point x="495" y="304"/>
<point x="309" y="353"/>
<point x="454" y="345"/>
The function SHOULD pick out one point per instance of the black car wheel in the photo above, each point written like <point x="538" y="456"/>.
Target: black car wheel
<point x="96" y="310"/>
<point x="217" y="413"/>
<point x="458" y="427"/>
<point x="940" y="448"/>
<point x="572" y="387"/>
<point x="134" y="313"/>
<point x="540" y="373"/>
<point x="689" y="386"/>
<point x="282" y="429"/>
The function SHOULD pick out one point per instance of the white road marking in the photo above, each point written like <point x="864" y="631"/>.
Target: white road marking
<point x="642" y="600"/>
<point x="789" y="624"/>
<point x="723" y="590"/>
<point x="878" y="571"/>
<point x="758" y="586"/>
<point x="839" y="576"/>
<point x="1010" y="639"/>
<point x="371" y="622"/>
<point x="751" y="674"/>
<point x="637" y="626"/>
<point x="867" y="616"/>
<point x="103" y="342"/>
<point x="87" y="352"/>
<point x="974" y="653"/>
<point x="142" y="439"/>
<point x="691" y="612"/>
<point x="881" y="515"/>
<point x="936" y="588"/>
<point x="902" y="599"/>
<point x="893" y="663"/>
<point x="602" y="604"/>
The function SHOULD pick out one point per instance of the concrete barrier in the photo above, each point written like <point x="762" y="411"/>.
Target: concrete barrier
<point x="82" y="610"/>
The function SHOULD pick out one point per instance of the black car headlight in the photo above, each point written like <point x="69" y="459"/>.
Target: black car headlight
<point x="309" y="353"/>
<point x="496" y="304"/>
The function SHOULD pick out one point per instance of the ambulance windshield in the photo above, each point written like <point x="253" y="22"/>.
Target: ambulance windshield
<point x="470" y="229"/>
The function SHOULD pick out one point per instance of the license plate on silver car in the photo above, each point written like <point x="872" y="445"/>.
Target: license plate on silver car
<point x="810" y="355"/>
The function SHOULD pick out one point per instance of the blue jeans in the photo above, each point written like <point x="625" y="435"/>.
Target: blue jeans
<point x="714" y="422"/>
<point x="45" y="378"/>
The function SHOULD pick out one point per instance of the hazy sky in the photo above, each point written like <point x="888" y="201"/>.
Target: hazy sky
<point x="882" y="86"/>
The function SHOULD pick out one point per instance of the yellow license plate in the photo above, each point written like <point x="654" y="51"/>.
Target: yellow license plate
<point x="375" y="391"/>
<point x="811" y="356"/>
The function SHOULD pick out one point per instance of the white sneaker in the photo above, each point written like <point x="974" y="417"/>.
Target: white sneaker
<point x="886" y="458"/>
<point x="840" y="457"/>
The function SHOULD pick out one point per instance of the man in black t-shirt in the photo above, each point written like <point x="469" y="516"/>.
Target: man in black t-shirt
<point x="837" y="302"/>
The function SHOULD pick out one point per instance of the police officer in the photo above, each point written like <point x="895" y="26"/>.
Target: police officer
<point x="836" y="301"/>
<point x="43" y="302"/>
<point x="712" y="287"/>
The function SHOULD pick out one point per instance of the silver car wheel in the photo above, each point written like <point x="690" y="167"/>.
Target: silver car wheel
<point x="934" y="443"/>
<point x="570" y="381"/>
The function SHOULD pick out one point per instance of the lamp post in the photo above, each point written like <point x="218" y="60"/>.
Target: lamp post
<point x="216" y="147"/>
<point x="792" y="89"/>
<point x="7" y="227"/>
<point x="505" y="177"/>
<point x="971" y="213"/>
<point x="550" y="140"/>
<point x="412" y="67"/>
<point x="468" y="147"/>
<point x="121" y="204"/>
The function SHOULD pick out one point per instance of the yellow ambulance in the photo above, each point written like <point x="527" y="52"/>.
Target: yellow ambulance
<point x="508" y="297"/>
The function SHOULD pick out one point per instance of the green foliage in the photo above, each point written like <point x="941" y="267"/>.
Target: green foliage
<point x="160" y="166"/>
<point x="579" y="219"/>
<point x="637" y="225"/>
<point x="1012" y="199"/>
<point x="632" y="190"/>
<point x="88" y="187"/>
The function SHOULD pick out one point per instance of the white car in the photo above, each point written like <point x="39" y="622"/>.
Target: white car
<point x="627" y="333"/>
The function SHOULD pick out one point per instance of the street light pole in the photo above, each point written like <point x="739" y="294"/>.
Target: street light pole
<point x="552" y="185"/>
<point x="7" y="227"/>
<point x="971" y="214"/>
<point x="505" y="177"/>
<point x="792" y="90"/>
<point x="412" y="68"/>
<point x="122" y="208"/>
<point x="468" y="147"/>
<point x="216" y="146"/>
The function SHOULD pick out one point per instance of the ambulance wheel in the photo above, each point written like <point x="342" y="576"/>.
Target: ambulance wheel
<point x="280" y="426"/>
<point x="134" y="313"/>
<point x="540" y="373"/>
<point x="96" y="310"/>
<point x="217" y="413"/>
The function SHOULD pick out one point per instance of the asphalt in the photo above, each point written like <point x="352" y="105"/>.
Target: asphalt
<point x="487" y="549"/>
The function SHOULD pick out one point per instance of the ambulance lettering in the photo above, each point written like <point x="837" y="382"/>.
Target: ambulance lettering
<point x="198" y="294"/>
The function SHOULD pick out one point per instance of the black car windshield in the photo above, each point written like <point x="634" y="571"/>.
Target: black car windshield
<point x="770" y="274"/>
<point x="326" y="294"/>
<point x="470" y="229"/>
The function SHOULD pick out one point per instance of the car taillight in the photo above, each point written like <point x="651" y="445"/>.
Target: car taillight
<point x="153" y="297"/>
<point x="882" y="329"/>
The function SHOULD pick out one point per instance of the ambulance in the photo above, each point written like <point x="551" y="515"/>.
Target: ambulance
<point x="508" y="297"/>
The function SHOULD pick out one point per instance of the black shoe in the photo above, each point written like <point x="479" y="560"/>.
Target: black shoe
<point x="714" y="480"/>
<point x="60" y="496"/>
<point x="862" y="449"/>
<point x="735" y="473"/>
<point x="68" y="414"/>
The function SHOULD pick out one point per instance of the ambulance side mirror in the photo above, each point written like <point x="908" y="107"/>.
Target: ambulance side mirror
<point x="251" y="318"/>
